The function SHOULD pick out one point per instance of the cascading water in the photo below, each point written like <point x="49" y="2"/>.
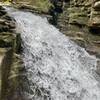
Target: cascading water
<point x="57" y="69"/>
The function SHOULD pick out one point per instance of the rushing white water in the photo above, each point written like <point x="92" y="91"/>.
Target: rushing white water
<point x="57" y="69"/>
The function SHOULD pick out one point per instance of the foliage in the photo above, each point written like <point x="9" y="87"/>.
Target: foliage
<point x="43" y="5"/>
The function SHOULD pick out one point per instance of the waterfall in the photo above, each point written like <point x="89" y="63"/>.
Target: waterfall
<point x="56" y="67"/>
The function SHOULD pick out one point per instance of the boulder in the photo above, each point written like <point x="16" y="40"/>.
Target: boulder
<point x="98" y="67"/>
<point x="94" y="22"/>
<point x="97" y="5"/>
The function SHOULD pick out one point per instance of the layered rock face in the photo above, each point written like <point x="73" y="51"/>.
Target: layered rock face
<point x="80" y="21"/>
<point x="95" y="15"/>
<point x="10" y="62"/>
<point x="6" y="42"/>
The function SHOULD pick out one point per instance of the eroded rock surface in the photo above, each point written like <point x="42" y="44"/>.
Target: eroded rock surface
<point x="10" y="60"/>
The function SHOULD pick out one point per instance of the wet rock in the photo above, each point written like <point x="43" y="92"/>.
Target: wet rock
<point x="11" y="40"/>
<point x="97" y="5"/>
<point x="94" y="50"/>
<point x="1" y="8"/>
<point x="6" y="40"/>
<point x="11" y="70"/>
<point x="11" y="65"/>
<point x="97" y="43"/>
<point x="5" y="70"/>
<point x="2" y="54"/>
<point x="6" y="17"/>
<point x="98" y="67"/>
<point x="18" y="44"/>
<point x="7" y="23"/>
<point x="78" y="15"/>
<point x="6" y="26"/>
<point x="17" y="72"/>
<point x="2" y="12"/>
<point x="79" y="41"/>
<point x="94" y="22"/>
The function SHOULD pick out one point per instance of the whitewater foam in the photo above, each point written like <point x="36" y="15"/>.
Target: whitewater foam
<point x="57" y="68"/>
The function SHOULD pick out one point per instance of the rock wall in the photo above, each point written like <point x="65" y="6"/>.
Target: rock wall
<point x="10" y="60"/>
<point x="80" y="21"/>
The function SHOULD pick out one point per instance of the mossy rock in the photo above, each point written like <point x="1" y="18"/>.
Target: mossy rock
<point x="7" y="40"/>
<point x="76" y="15"/>
<point x="80" y="42"/>
<point x="94" y="22"/>
<point x="6" y="24"/>
<point x="11" y="40"/>
<point x="77" y="10"/>
<point x="97" y="6"/>
<point x="78" y="20"/>
<point x="40" y="5"/>
<point x="2" y="55"/>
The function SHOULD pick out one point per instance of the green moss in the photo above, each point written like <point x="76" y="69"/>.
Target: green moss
<point x="6" y="40"/>
<point x="41" y="5"/>
<point x="78" y="20"/>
